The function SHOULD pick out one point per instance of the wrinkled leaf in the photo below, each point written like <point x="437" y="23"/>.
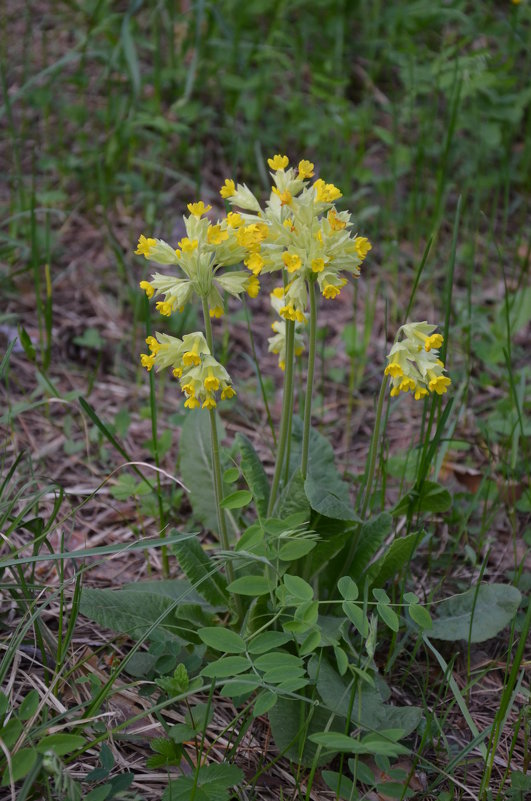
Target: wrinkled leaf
<point x="477" y="614"/>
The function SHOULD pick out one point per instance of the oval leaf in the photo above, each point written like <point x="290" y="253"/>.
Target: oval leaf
<point x="421" y="616"/>
<point x="250" y="585"/>
<point x="61" y="744"/>
<point x="223" y="640"/>
<point x="225" y="667"/>
<point x="236" y="500"/>
<point x="477" y="614"/>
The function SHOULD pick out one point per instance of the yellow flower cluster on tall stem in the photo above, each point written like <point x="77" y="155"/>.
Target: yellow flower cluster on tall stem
<point x="314" y="246"/>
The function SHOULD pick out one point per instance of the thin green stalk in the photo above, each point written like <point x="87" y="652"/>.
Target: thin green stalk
<point x="216" y="463"/>
<point x="374" y="446"/>
<point x="309" y="380"/>
<point x="286" y="414"/>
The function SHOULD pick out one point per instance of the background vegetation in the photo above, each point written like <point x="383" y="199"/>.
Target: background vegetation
<point x="113" y="117"/>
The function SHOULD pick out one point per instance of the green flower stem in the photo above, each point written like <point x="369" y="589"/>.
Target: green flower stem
<point x="286" y="414"/>
<point x="216" y="463"/>
<point x="374" y="446"/>
<point x="309" y="379"/>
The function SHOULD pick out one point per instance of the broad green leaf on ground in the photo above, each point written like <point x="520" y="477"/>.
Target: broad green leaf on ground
<point x="61" y="743"/>
<point x="201" y="571"/>
<point x="195" y="458"/>
<point x="431" y="497"/>
<point x="369" y="710"/>
<point x="254" y="473"/>
<point x="293" y="498"/>
<point x="291" y="723"/>
<point x="371" y="536"/>
<point x="476" y="615"/>
<point x="398" y="556"/>
<point x="212" y="784"/>
<point x="21" y="764"/>
<point x="131" y="611"/>
<point x="326" y="491"/>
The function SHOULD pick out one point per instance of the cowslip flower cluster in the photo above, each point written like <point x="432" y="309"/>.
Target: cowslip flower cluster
<point x="277" y="343"/>
<point x="299" y="230"/>
<point x="201" y="377"/>
<point x="413" y="362"/>
<point x="200" y="255"/>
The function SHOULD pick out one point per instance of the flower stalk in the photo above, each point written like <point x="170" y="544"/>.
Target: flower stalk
<point x="312" y="339"/>
<point x="285" y="416"/>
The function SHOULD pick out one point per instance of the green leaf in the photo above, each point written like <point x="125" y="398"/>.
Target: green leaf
<point x="326" y="491"/>
<point x="212" y="784"/>
<point x="336" y="741"/>
<point x="242" y="686"/>
<point x="250" y="585"/>
<point x="356" y="616"/>
<point x="278" y="659"/>
<point x="398" y="556"/>
<point x="291" y="723"/>
<point x="432" y="497"/>
<point x="237" y="500"/>
<point x="21" y="764"/>
<point x="388" y="615"/>
<point x="373" y="534"/>
<point x="265" y="701"/>
<point x="99" y="793"/>
<point x="201" y="571"/>
<point x="254" y="473"/>
<point x="310" y="643"/>
<point x="195" y="451"/>
<point x="348" y="588"/>
<point x="293" y="498"/>
<point x="61" y="744"/>
<point x="347" y="788"/>
<point x="11" y="732"/>
<point x="488" y="608"/>
<point x="221" y="639"/>
<point x="231" y="475"/>
<point x="295" y="549"/>
<point x="421" y="616"/>
<point x="28" y="706"/>
<point x="225" y="667"/>
<point x="132" y="611"/>
<point x="27" y="344"/>
<point x="298" y="588"/>
<point x="267" y="641"/>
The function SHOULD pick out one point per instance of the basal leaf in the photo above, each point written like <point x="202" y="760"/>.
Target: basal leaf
<point x="201" y="571"/>
<point x="477" y="614"/>
<point x="133" y="612"/>
<point x="254" y="473"/>
<point x="431" y="497"/>
<point x="372" y="535"/>
<point x="398" y="556"/>
<point x="195" y="456"/>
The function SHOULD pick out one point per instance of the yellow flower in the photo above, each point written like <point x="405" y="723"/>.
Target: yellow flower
<point x="362" y="245"/>
<point x="209" y="403"/>
<point x="285" y="197"/>
<point x="335" y="223"/>
<point x="216" y="311"/>
<point x="148" y="289"/>
<point x="198" y="209"/>
<point x="305" y="169"/>
<point x="234" y="220"/>
<point x="227" y="393"/>
<point x="152" y="344"/>
<point x="292" y="261"/>
<point x="254" y="262"/>
<point x="192" y="403"/>
<point x="420" y="392"/>
<point x="394" y="370"/>
<point x="406" y="384"/>
<point x="330" y="291"/>
<point x="228" y="189"/>
<point x="253" y="286"/>
<point x="188" y="245"/>
<point x="326" y="193"/>
<point x="144" y="246"/>
<point x="278" y="162"/>
<point x="318" y="265"/>
<point x="216" y="235"/>
<point x="439" y="384"/>
<point x="211" y="383"/>
<point x="435" y="341"/>
<point x="164" y="307"/>
<point x="147" y="361"/>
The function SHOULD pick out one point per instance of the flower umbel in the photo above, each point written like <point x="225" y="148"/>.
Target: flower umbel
<point x="413" y="362"/>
